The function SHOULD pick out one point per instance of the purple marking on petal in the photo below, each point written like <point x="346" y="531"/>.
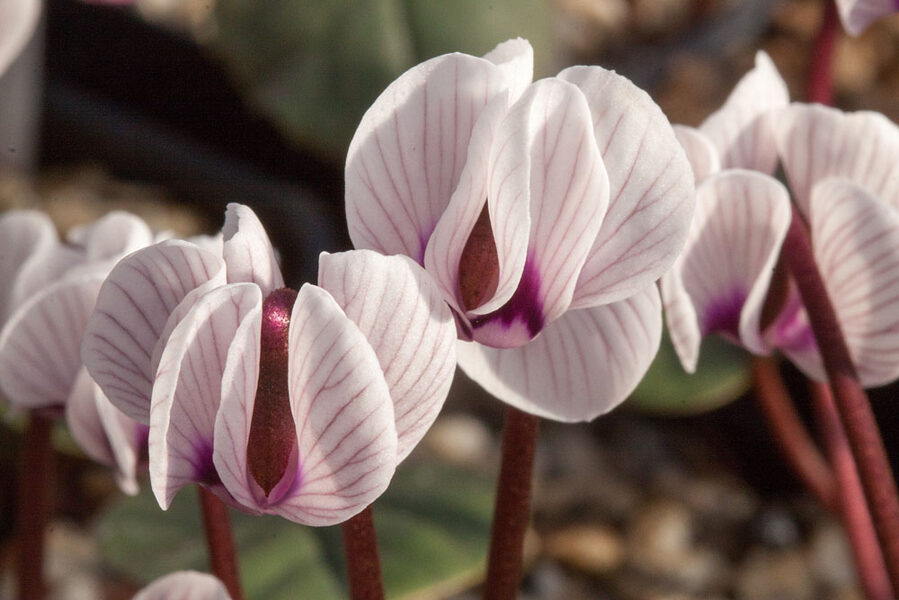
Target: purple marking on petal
<point x="525" y="305"/>
<point x="723" y="315"/>
<point x="205" y="471"/>
<point x="791" y="330"/>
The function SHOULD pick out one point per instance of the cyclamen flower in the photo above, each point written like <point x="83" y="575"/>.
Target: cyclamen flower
<point x="544" y="211"/>
<point x="299" y="404"/>
<point x="858" y="15"/>
<point x="840" y="167"/>
<point x="185" y="585"/>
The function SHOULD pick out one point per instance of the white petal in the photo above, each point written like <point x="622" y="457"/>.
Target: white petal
<point x="701" y="153"/>
<point x="857" y="15"/>
<point x="23" y="234"/>
<point x="816" y="142"/>
<point x="18" y="19"/>
<point x="133" y="307"/>
<point x="248" y="251"/>
<point x="407" y="154"/>
<point x="582" y="365"/>
<point x="41" y="342"/>
<point x="651" y="189"/>
<point x="515" y="59"/>
<point x="402" y="315"/>
<point x="856" y="243"/>
<point x="83" y="420"/>
<point x="47" y="266"/>
<point x="184" y="585"/>
<point x="341" y="404"/>
<point x="741" y="130"/>
<point x="680" y="317"/>
<point x="114" y="235"/>
<point x="188" y="388"/>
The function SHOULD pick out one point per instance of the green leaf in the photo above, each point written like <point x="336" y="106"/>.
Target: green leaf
<point x="722" y="375"/>
<point x="432" y="523"/>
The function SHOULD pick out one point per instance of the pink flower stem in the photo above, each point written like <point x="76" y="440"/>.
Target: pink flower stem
<point x="363" y="564"/>
<point x="791" y="434"/>
<point x="820" y="73"/>
<point x="512" y="512"/>
<point x="35" y="503"/>
<point x="872" y="573"/>
<point x="220" y="542"/>
<point x="851" y="401"/>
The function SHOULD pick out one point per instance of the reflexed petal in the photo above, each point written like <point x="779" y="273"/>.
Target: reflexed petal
<point x="582" y="365"/>
<point x="856" y="242"/>
<point x="816" y="142"/>
<point x="248" y="252"/>
<point x="515" y="59"/>
<point x="741" y="130"/>
<point x="113" y="236"/>
<point x="23" y="234"/>
<point x="701" y="153"/>
<point x="345" y="424"/>
<point x="651" y="189"/>
<point x="400" y="311"/>
<point x="188" y="388"/>
<point x="17" y="22"/>
<point x="407" y="154"/>
<point x="133" y="307"/>
<point x="185" y="585"/>
<point x="740" y="222"/>
<point x="680" y="317"/>
<point x="857" y="15"/>
<point x="83" y="420"/>
<point x="45" y="267"/>
<point x="40" y="345"/>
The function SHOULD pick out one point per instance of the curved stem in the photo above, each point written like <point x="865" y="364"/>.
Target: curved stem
<point x="363" y="564"/>
<point x="872" y="574"/>
<point x="791" y="434"/>
<point x="513" y="505"/>
<point x="851" y="400"/>
<point x="35" y="501"/>
<point x="220" y="541"/>
<point x="820" y="73"/>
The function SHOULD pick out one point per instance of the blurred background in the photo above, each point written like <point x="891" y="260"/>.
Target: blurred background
<point x="173" y="108"/>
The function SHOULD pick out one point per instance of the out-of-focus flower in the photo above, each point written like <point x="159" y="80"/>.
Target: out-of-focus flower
<point x="858" y="15"/>
<point x="185" y="585"/>
<point x="18" y="19"/>
<point x="840" y="170"/>
<point x="544" y="211"/>
<point x="299" y="404"/>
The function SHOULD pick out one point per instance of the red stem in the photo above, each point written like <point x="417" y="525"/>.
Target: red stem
<point x="220" y="541"/>
<point x="363" y="564"/>
<point x="851" y="400"/>
<point x="35" y="502"/>
<point x="872" y="572"/>
<point x="513" y="505"/>
<point x="791" y="434"/>
<point x="820" y="73"/>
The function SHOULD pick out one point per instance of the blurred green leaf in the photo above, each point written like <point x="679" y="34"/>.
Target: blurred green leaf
<point x="722" y="375"/>
<point x="433" y="526"/>
<point x="314" y="66"/>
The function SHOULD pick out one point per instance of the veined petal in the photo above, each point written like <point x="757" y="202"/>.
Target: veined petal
<point x="188" y="388"/>
<point x="857" y="15"/>
<point x="343" y="413"/>
<point x="741" y="130"/>
<point x="515" y="58"/>
<point x="583" y="364"/>
<point x="23" y="234"/>
<point x="18" y="19"/>
<point x="701" y="153"/>
<point x="247" y="250"/>
<point x="113" y="236"/>
<point x="185" y="585"/>
<point x="407" y="154"/>
<point x="46" y="266"/>
<point x="651" y="189"/>
<point x="680" y="316"/>
<point x="405" y="320"/>
<point x="41" y="342"/>
<point x="856" y="243"/>
<point x="816" y="142"/>
<point x="132" y="309"/>
<point x="83" y="420"/>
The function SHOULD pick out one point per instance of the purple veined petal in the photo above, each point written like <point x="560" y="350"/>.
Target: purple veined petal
<point x="112" y="236"/>
<point x="545" y="156"/>
<point x="741" y="129"/>
<point x="132" y="310"/>
<point x="18" y="19"/>
<point x="44" y="268"/>
<point x="247" y="250"/>
<point x="401" y="312"/>
<point x="40" y="344"/>
<point x="651" y="196"/>
<point x="581" y="366"/>
<point x="515" y="58"/>
<point x="344" y="417"/>
<point x="127" y="438"/>
<point x="185" y="585"/>
<point x="680" y="316"/>
<point x="701" y="153"/>
<point x="23" y="234"/>
<point x="857" y="15"/>
<point x="816" y="142"/>
<point x="792" y="334"/>
<point x="856" y="244"/>
<point x="406" y="156"/>
<point x="187" y="392"/>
